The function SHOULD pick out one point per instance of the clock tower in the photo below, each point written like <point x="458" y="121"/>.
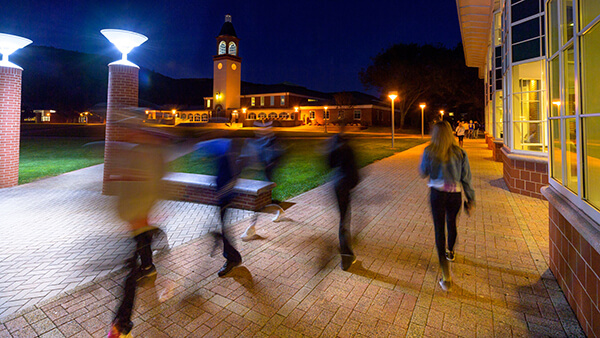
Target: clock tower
<point x="227" y="77"/>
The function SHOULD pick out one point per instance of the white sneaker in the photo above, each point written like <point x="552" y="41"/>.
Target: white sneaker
<point x="446" y="285"/>
<point x="278" y="216"/>
<point x="249" y="234"/>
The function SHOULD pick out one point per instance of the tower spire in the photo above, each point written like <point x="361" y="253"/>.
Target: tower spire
<point x="227" y="18"/>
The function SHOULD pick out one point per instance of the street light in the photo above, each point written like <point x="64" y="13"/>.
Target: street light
<point x="442" y="112"/>
<point x="324" y="122"/>
<point x="393" y="95"/>
<point x="8" y="45"/>
<point x="125" y="41"/>
<point x="422" y="105"/>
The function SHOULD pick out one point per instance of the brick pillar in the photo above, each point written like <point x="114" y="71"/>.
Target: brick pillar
<point x="10" y="125"/>
<point x="123" y="87"/>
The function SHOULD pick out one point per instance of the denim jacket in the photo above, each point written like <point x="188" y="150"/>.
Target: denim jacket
<point x="456" y="171"/>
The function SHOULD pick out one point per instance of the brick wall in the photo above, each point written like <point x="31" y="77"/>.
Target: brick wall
<point x="123" y="87"/>
<point x="10" y="117"/>
<point x="524" y="175"/>
<point x="575" y="259"/>
<point x="198" y="193"/>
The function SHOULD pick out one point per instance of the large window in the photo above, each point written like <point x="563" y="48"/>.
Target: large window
<point x="262" y="100"/>
<point x="253" y="101"/>
<point x="357" y="114"/>
<point x="283" y="100"/>
<point x="262" y="116"/>
<point x="574" y="83"/>
<point x="528" y="112"/>
<point x="272" y="115"/>
<point x="252" y="116"/>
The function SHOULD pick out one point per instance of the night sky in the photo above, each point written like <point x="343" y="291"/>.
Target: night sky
<point x="321" y="45"/>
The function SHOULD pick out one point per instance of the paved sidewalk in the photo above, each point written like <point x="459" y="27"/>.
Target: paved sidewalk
<point x="61" y="232"/>
<point x="291" y="283"/>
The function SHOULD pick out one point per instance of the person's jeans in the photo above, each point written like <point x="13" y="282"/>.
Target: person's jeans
<point x="444" y="208"/>
<point x="343" y="198"/>
<point x="143" y="250"/>
<point x="229" y="252"/>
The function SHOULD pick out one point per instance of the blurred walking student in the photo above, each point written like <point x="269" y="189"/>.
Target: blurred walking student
<point x="141" y="166"/>
<point x="341" y="158"/>
<point x="229" y="167"/>
<point x="268" y="152"/>
<point x="460" y="133"/>
<point x="447" y="166"/>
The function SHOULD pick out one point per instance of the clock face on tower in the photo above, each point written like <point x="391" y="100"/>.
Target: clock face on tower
<point x="233" y="66"/>
<point x="220" y="65"/>
<point x="232" y="48"/>
<point x="222" y="47"/>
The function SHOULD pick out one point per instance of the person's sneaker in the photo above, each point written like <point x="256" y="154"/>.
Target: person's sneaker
<point x="347" y="261"/>
<point x="445" y="284"/>
<point x="278" y="215"/>
<point x="249" y="234"/>
<point x="118" y="330"/>
<point x="147" y="273"/>
<point x="227" y="267"/>
<point x="450" y="255"/>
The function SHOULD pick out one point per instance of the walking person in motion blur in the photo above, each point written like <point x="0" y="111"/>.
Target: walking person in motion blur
<point x="341" y="158"/>
<point x="141" y="166"/>
<point x="447" y="166"/>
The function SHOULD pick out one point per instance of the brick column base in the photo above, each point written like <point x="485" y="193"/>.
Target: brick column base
<point x="10" y="125"/>
<point x="123" y="87"/>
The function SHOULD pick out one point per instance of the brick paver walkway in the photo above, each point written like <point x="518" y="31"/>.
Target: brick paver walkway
<point x="291" y="283"/>
<point x="61" y="232"/>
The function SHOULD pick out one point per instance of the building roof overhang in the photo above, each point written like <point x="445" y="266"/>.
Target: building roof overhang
<point x="476" y="20"/>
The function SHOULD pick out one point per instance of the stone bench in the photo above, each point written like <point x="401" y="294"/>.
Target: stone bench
<point x="250" y="194"/>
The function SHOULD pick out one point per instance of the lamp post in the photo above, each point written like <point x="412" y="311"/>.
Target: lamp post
<point x="393" y="95"/>
<point x="123" y="89"/>
<point x="325" y="122"/>
<point x="442" y="113"/>
<point x="11" y="77"/>
<point x="422" y="105"/>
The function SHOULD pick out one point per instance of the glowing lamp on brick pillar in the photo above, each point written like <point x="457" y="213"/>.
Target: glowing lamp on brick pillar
<point x="123" y="90"/>
<point x="8" y="45"/>
<point x="10" y="110"/>
<point x="125" y="41"/>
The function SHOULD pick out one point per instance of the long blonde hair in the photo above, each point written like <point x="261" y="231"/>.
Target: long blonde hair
<point x="442" y="141"/>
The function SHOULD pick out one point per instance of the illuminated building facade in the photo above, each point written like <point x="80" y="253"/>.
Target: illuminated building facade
<point x="541" y="63"/>
<point x="284" y="104"/>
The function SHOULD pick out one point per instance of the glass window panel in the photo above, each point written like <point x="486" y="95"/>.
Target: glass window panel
<point x="526" y="30"/>
<point x="569" y="77"/>
<point x="566" y="25"/>
<point x="571" y="154"/>
<point x="554" y="86"/>
<point x="590" y="68"/>
<point x="497" y="29"/>
<point x="556" y="150"/>
<point x="553" y="25"/>
<point x="588" y="11"/>
<point x="528" y="136"/>
<point x="526" y="50"/>
<point x="499" y="113"/>
<point x="525" y="9"/>
<point x="592" y="160"/>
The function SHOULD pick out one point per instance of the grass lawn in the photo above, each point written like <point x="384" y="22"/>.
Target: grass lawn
<point x="43" y="157"/>
<point x="303" y="166"/>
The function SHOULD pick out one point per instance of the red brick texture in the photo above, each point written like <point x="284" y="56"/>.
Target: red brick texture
<point x="123" y="87"/>
<point x="497" y="150"/>
<point x="576" y="265"/>
<point x="10" y="124"/>
<point x="489" y="140"/>
<point x="524" y="176"/>
<point x="193" y="191"/>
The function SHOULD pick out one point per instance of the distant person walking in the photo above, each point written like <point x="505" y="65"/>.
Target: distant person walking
<point x="460" y="133"/>
<point x="341" y="158"/>
<point x="471" y="129"/>
<point x="447" y="166"/>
